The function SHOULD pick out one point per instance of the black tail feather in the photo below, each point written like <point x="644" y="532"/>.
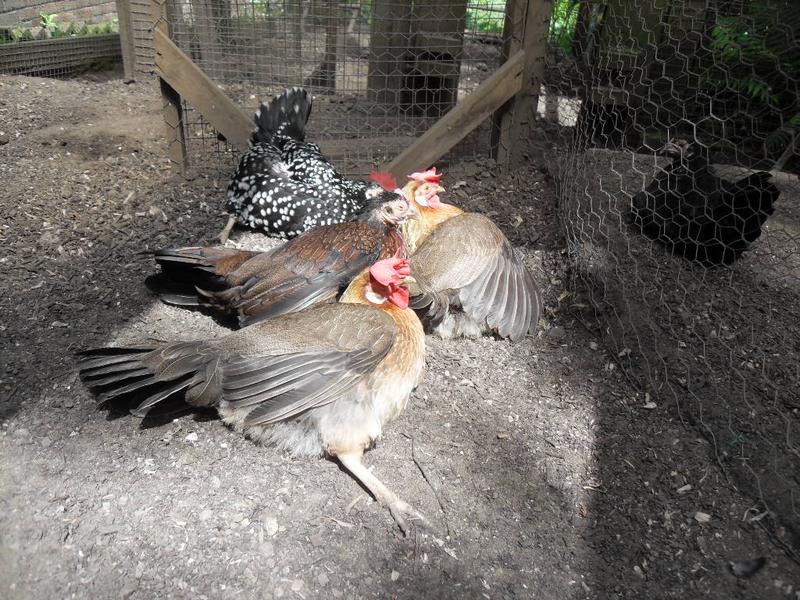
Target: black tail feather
<point x="152" y="374"/>
<point x="192" y="276"/>
<point x="161" y="394"/>
<point x="196" y="258"/>
<point x="756" y="192"/>
<point x="181" y="299"/>
<point x="284" y="115"/>
<point x="204" y="267"/>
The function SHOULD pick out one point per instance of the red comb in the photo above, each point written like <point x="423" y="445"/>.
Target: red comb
<point x="385" y="179"/>
<point x="390" y="271"/>
<point x="387" y="277"/>
<point x="429" y="176"/>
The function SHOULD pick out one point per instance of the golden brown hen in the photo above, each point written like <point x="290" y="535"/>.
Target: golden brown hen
<point x="321" y="381"/>
<point x="310" y="269"/>
<point x="468" y="279"/>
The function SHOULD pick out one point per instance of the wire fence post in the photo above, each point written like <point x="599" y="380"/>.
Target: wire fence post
<point x="172" y="104"/>
<point x="526" y="27"/>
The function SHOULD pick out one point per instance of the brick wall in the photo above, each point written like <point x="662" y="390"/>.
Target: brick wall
<point x="25" y="13"/>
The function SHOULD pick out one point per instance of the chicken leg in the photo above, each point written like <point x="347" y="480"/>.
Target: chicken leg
<point x="222" y="236"/>
<point x="399" y="509"/>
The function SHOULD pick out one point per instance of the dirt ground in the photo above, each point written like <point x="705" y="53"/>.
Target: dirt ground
<point x="550" y="476"/>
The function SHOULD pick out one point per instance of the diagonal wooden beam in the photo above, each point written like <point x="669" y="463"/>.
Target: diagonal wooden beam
<point x="465" y="116"/>
<point x="194" y="86"/>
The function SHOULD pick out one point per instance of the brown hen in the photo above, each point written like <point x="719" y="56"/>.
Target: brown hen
<point x="468" y="279"/>
<point x="321" y="381"/>
<point x="311" y="269"/>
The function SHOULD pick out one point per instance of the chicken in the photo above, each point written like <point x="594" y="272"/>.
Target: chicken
<point x="697" y="215"/>
<point x="468" y="280"/>
<point x="284" y="185"/>
<point x="311" y="269"/>
<point x="319" y="382"/>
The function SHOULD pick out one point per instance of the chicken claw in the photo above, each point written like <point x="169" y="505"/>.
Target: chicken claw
<point x="399" y="509"/>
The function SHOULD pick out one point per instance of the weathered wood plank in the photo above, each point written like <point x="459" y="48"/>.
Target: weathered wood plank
<point x="526" y="28"/>
<point x="461" y="119"/>
<point x="177" y="69"/>
<point x="126" y="39"/>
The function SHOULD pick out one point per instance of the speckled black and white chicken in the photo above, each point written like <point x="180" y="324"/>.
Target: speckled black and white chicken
<point x="284" y="185"/>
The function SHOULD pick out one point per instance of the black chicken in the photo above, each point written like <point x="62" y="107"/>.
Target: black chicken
<point x="284" y="185"/>
<point x="696" y="214"/>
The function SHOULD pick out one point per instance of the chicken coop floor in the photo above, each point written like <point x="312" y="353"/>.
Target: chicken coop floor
<point x="544" y="471"/>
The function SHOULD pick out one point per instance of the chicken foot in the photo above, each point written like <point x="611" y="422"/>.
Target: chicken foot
<point x="399" y="509"/>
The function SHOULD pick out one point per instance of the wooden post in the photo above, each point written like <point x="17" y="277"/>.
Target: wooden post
<point x="205" y="28"/>
<point x="389" y="42"/>
<point x="437" y="51"/>
<point x="173" y="110"/>
<point x="526" y="29"/>
<point x="126" y="39"/>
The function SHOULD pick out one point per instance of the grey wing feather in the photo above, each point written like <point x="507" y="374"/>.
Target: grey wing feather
<point x="468" y="262"/>
<point x="330" y="351"/>
<point x="270" y="371"/>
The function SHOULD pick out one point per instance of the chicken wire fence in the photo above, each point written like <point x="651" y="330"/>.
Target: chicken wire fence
<point x="381" y="71"/>
<point x="649" y="223"/>
<point x="82" y="37"/>
<point x="646" y="229"/>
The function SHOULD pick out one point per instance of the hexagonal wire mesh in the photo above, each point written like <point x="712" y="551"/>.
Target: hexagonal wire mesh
<point x="645" y="229"/>
<point x="381" y="72"/>
<point x="648" y="230"/>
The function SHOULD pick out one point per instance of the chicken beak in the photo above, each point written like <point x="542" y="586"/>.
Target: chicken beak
<point x="439" y="189"/>
<point x="670" y="149"/>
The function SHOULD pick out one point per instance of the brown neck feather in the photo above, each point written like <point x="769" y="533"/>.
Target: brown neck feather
<point x="356" y="294"/>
